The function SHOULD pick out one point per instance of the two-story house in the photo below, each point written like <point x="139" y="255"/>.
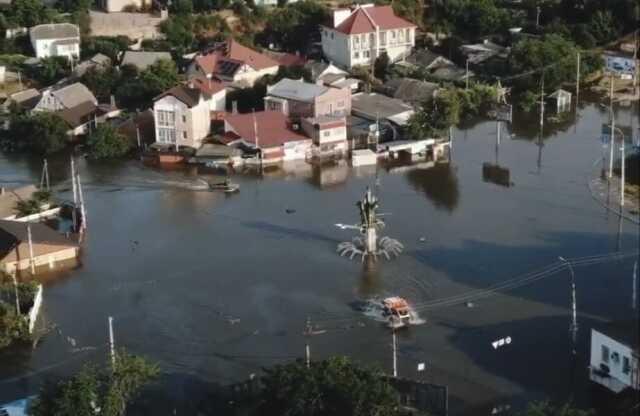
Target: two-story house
<point x="359" y="35"/>
<point x="182" y="116"/>
<point x="299" y="99"/>
<point x="232" y="63"/>
<point x="56" y="39"/>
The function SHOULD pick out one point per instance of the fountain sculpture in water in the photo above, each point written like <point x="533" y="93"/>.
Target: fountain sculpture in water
<point x="369" y="246"/>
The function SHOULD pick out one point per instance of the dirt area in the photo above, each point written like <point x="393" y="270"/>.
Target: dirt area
<point x="622" y="89"/>
<point x="133" y="25"/>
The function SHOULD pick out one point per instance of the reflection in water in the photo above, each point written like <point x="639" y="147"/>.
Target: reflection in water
<point x="369" y="279"/>
<point x="329" y="174"/>
<point x="439" y="184"/>
<point x="496" y="174"/>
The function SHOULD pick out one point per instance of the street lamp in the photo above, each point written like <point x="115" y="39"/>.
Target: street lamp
<point x="573" y="327"/>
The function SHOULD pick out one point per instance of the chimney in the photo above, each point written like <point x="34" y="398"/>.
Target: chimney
<point x="339" y="16"/>
<point x="234" y="107"/>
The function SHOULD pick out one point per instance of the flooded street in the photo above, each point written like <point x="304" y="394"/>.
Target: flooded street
<point x="213" y="287"/>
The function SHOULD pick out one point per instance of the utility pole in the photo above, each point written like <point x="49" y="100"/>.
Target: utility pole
<point x="622" y="176"/>
<point x="467" y="75"/>
<point x="30" y="240"/>
<point x="112" y="346"/>
<point x="307" y="347"/>
<point x="634" y="289"/>
<point x="83" y="211"/>
<point x="577" y="79"/>
<point x="613" y="127"/>
<point x="44" y="179"/>
<point x="395" y="352"/>
<point x="573" y="327"/>
<point x="17" y="291"/>
<point x="538" y="10"/>
<point x="542" y="103"/>
<point x="73" y="182"/>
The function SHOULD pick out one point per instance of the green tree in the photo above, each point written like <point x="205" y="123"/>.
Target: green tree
<point x="13" y="327"/>
<point x="435" y="116"/>
<point x="332" y="387"/>
<point x="102" y="82"/>
<point x="473" y="18"/>
<point x="106" y="143"/>
<point x="381" y="66"/>
<point x="538" y="54"/>
<point x="50" y="70"/>
<point x="178" y="31"/>
<point x="94" y="391"/>
<point x="603" y="27"/>
<point x="41" y="133"/>
<point x="138" y="91"/>
<point x="29" y="13"/>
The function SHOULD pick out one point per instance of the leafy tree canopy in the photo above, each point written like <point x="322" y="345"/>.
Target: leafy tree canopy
<point x="29" y="13"/>
<point x="106" y="143"/>
<point x="97" y="391"/>
<point x="547" y="409"/>
<point x="332" y="387"/>
<point x="41" y="133"/>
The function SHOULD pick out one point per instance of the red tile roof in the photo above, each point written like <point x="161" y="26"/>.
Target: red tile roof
<point x="365" y="19"/>
<point x="287" y="59"/>
<point x="231" y="52"/>
<point x="274" y="128"/>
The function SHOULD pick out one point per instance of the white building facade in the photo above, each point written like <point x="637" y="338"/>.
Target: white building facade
<point x="613" y="363"/>
<point x="181" y="119"/>
<point x="60" y="39"/>
<point x="357" y="37"/>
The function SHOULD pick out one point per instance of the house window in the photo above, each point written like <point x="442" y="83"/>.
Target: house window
<point x="605" y="354"/>
<point x="166" y="135"/>
<point x="401" y="35"/>
<point x="371" y="39"/>
<point x="184" y="118"/>
<point x="166" y="118"/>
<point x="626" y="365"/>
<point x="383" y="38"/>
<point x="408" y="31"/>
<point x="356" y="55"/>
<point x="184" y="135"/>
<point x="331" y="35"/>
<point x="326" y="133"/>
<point x="366" y="54"/>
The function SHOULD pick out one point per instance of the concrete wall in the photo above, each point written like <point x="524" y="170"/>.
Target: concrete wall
<point x="45" y="48"/>
<point x="335" y="46"/>
<point x="334" y="101"/>
<point x="49" y="260"/>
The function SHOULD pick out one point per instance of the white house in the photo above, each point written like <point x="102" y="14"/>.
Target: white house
<point x="182" y="116"/>
<point x="56" y="39"/>
<point x="614" y="357"/>
<point x="358" y="36"/>
<point x="64" y="98"/>
<point x="111" y="6"/>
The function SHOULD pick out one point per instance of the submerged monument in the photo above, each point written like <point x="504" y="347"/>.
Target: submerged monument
<point x="369" y="246"/>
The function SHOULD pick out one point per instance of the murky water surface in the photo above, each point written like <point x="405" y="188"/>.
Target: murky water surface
<point x="213" y="287"/>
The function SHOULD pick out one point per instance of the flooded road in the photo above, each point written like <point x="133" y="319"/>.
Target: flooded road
<point x="214" y="287"/>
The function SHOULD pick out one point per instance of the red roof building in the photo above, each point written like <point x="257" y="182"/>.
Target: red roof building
<point x="232" y="63"/>
<point x="358" y="36"/>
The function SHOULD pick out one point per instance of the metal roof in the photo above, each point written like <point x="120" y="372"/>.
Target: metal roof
<point x="54" y="31"/>
<point x="73" y="95"/>
<point x="296" y="90"/>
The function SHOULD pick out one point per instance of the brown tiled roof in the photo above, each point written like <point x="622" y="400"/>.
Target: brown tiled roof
<point x="189" y="96"/>
<point x="287" y="59"/>
<point x="365" y="20"/>
<point x="273" y="127"/>
<point x="78" y="115"/>
<point x="223" y="58"/>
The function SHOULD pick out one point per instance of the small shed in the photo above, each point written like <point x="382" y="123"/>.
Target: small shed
<point x="561" y="99"/>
